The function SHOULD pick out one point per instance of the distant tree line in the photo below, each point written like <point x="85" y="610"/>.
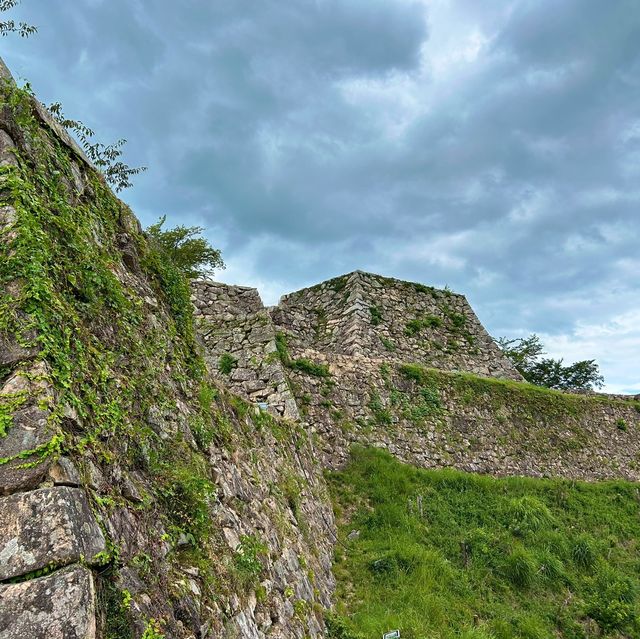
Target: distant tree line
<point x="527" y="356"/>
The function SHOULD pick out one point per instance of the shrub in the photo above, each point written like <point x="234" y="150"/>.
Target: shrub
<point x="337" y="628"/>
<point x="105" y="157"/>
<point x="247" y="560"/>
<point x="310" y="368"/>
<point x="376" y="315"/>
<point x="302" y="364"/>
<point x="415" y="326"/>
<point x="621" y="424"/>
<point x="381" y="414"/>
<point x="206" y="397"/>
<point x="414" y="372"/>
<point x="612" y="604"/>
<point x="388" y="344"/>
<point x="192" y="254"/>
<point x="153" y="630"/>
<point x="186" y="493"/>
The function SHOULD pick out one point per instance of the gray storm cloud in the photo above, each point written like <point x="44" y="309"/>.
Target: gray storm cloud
<point x="494" y="150"/>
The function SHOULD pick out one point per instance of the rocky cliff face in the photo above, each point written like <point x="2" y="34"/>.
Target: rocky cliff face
<point x="162" y="447"/>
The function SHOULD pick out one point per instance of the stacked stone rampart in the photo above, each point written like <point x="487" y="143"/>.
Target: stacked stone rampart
<point x="437" y="419"/>
<point x="359" y="332"/>
<point x="137" y="496"/>
<point x="49" y="537"/>
<point x="367" y="315"/>
<point x="239" y="345"/>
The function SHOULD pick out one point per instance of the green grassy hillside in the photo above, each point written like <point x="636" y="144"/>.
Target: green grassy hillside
<point x="442" y="554"/>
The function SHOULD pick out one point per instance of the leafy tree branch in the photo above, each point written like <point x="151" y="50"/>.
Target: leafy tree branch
<point x="11" y="26"/>
<point x="192" y="254"/>
<point x="106" y="158"/>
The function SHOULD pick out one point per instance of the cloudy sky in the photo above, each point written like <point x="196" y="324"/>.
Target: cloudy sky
<point x="490" y="146"/>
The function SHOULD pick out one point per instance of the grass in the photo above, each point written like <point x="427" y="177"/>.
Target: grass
<point x="444" y="554"/>
<point x="301" y="364"/>
<point x="473" y="389"/>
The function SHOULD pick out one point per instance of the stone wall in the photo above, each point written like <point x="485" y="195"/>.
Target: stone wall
<point x="438" y="419"/>
<point x="486" y="419"/>
<point x="46" y="523"/>
<point x="239" y="344"/>
<point x="137" y="495"/>
<point x="368" y="315"/>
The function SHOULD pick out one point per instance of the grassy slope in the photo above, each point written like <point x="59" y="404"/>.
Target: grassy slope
<point x="447" y="554"/>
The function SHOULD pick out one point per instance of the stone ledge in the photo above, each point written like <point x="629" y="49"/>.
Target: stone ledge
<point x="46" y="527"/>
<point x="60" y="605"/>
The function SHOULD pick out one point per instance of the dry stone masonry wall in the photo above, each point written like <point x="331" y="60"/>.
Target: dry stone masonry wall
<point x="363" y="314"/>
<point x="137" y="496"/>
<point x="361" y="336"/>
<point x="239" y="342"/>
<point x="438" y="419"/>
<point x="46" y="523"/>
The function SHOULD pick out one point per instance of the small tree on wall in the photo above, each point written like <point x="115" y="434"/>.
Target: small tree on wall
<point x="105" y="157"/>
<point x="190" y="252"/>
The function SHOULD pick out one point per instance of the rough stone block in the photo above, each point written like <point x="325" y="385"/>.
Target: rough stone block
<point x="28" y="428"/>
<point x="11" y="352"/>
<point x="49" y="526"/>
<point x="28" y="431"/>
<point x="60" y="606"/>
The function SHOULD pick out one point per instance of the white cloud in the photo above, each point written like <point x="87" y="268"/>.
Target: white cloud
<point x="614" y="344"/>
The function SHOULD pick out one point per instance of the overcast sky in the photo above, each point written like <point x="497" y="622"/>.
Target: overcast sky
<point x="490" y="146"/>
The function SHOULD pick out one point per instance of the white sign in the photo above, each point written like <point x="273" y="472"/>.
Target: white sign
<point x="394" y="634"/>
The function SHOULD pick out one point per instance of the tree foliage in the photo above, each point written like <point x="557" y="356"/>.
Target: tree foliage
<point x="104" y="157"/>
<point x="192" y="254"/>
<point x="527" y="356"/>
<point x="11" y="26"/>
